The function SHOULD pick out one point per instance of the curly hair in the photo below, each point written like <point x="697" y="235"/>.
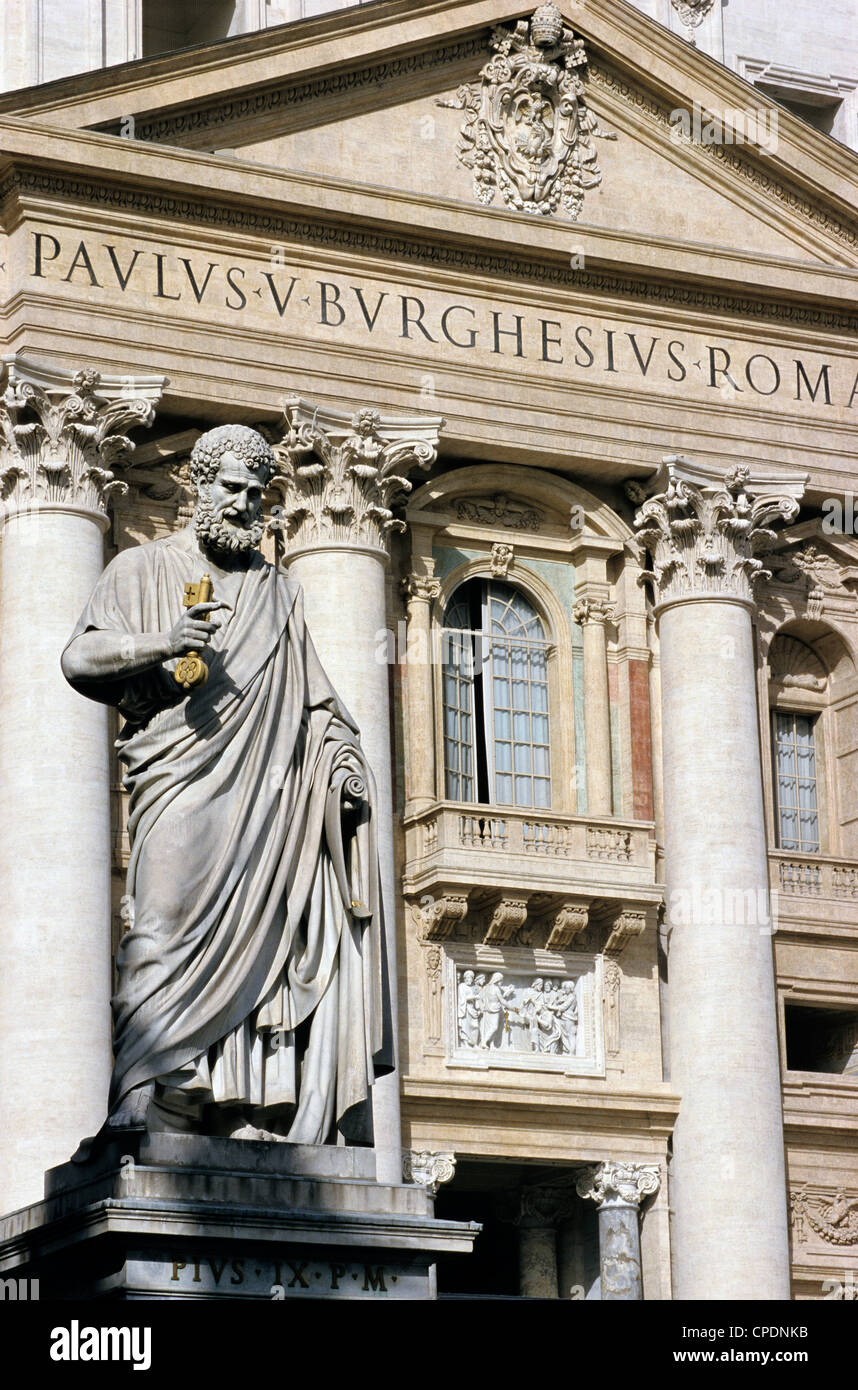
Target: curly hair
<point x="246" y="444"/>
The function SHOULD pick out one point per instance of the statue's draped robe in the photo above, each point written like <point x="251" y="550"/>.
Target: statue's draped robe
<point x="255" y="914"/>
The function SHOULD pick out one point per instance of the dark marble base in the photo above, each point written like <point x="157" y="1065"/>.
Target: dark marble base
<point x="183" y="1216"/>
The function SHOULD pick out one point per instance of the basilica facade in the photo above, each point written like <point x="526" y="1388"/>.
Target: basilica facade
<point x="547" y="314"/>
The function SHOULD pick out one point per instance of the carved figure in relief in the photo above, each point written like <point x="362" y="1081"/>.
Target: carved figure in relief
<point x="567" y="1016"/>
<point x="530" y="1006"/>
<point x="547" y="1029"/>
<point x="536" y="1017"/>
<point x="494" y="1002"/>
<point x="250" y="983"/>
<point x="467" y="1011"/>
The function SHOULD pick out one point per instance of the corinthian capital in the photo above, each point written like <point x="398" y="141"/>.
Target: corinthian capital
<point x="61" y="434"/>
<point x="619" y="1184"/>
<point x="703" y="529"/>
<point x="341" y="474"/>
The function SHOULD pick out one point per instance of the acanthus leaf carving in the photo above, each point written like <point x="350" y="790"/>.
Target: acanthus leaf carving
<point x="499" y="510"/>
<point x="420" y="588"/>
<point x="528" y="132"/>
<point x="592" y="610"/>
<point x="703" y="537"/>
<point x="508" y="916"/>
<point x="626" y="925"/>
<point x="66" y="455"/>
<point x="692" y="13"/>
<point x="340" y="477"/>
<point x="569" y="921"/>
<point x="440" y="918"/>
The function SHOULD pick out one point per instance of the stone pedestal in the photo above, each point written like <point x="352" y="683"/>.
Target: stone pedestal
<point x="340" y="474"/>
<point x="728" y="1189"/>
<point x="179" y="1216"/>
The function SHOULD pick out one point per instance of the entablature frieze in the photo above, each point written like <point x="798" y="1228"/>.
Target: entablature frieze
<point x="493" y="1117"/>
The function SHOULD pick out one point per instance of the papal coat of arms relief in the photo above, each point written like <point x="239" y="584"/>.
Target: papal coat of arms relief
<point x="528" y="132"/>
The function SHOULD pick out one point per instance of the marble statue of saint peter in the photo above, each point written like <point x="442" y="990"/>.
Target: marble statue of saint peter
<point x="251" y="986"/>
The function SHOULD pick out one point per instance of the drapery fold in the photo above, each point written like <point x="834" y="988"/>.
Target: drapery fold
<point x="257" y="909"/>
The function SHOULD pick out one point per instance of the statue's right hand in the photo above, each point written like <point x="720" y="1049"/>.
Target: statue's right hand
<point x="194" y="628"/>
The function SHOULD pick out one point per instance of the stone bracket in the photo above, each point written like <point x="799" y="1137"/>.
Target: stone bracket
<point x="440" y="917"/>
<point x="624" y="921"/>
<point x="507" y="918"/>
<point x="569" y="921"/>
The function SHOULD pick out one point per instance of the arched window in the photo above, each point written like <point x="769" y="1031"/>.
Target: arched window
<point x="495" y="694"/>
<point x="796" y="781"/>
<point x="799" y="693"/>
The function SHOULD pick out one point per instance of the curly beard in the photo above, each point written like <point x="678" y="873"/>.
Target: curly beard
<point x="219" y="534"/>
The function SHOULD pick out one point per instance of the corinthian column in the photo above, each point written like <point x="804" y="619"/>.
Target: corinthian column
<point x="618" y="1190"/>
<point x="727" y="1180"/>
<point x="592" y="614"/>
<point x="420" y="590"/>
<point x="59" y="436"/>
<point x="340" y="474"/>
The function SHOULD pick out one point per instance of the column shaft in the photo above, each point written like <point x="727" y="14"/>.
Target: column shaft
<point x="344" y="597"/>
<point x="620" y="1253"/>
<point x="730" y="1228"/>
<point x="55" y="1053"/>
<point x="337" y="514"/>
<point x="537" y="1254"/>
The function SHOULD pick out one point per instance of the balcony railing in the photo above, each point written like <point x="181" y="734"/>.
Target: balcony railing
<point x="813" y="876"/>
<point x="460" y="842"/>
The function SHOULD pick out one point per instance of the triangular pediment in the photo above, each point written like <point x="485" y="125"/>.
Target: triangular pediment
<point x="378" y="98"/>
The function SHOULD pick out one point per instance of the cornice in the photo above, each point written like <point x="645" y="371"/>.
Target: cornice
<point x="297" y="49"/>
<point x="742" y="160"/>
<point x="654" y="1108"/>
<point x="194" y="120"/>
<point x="385" y="33"/>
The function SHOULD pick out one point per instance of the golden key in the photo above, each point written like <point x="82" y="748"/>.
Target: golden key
<point x="192" y="670"/>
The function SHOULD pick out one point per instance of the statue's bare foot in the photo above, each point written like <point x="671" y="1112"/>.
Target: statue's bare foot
<point x="249" y="1131"/>
<point x="132" y="1111"/>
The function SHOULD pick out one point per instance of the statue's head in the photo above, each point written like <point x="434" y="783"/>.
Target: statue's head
<point x="231" y="466"/>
